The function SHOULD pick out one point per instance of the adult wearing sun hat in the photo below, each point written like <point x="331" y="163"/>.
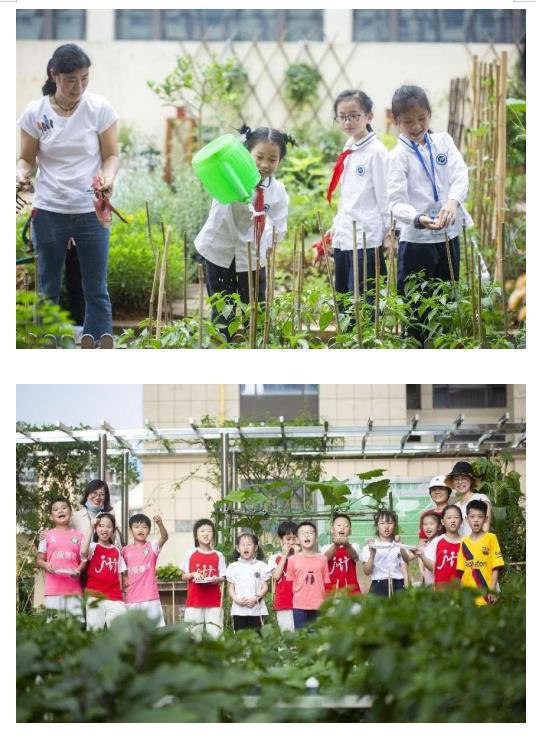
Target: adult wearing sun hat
<point x="439" y="491"/>
<point x="463" y="481"/>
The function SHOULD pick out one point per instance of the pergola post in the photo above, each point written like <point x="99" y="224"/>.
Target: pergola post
<point x="125" y="495"/>
<point x="103" y="456"/>
<point x="224" y="464"/>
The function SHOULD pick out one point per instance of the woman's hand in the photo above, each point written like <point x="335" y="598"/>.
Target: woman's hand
<point x="106" y="185"/>
<point x="23" y="183"/>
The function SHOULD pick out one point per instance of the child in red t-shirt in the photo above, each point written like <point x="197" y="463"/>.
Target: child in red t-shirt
<point x="277" y="565"/>
<point x="440" y="554"/>
<point x="105" y="568"/>
<point x="204" y="570"/>
<point x="342" y="556"/>
<point x="59" y="555"/>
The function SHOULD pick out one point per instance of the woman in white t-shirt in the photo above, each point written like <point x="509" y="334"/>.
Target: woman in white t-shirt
<point x="71" y="135"/>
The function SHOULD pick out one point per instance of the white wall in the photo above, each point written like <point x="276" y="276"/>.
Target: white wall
<point x="120" y="70"/>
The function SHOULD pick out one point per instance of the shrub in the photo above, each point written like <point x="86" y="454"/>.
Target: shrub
<point x="169" y="572"/>
<point x="37" y="318"/>
<point x="131" y="265"/>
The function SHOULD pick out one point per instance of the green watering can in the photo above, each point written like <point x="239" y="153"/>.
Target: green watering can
<point x="227" y="170"/>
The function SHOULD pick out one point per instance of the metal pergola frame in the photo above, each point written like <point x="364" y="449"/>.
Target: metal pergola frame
<point x="368" y="441"/>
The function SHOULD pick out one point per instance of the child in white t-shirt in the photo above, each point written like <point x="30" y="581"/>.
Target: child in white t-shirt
<point x="247" y="584"/>
<point x="382" y="557"/>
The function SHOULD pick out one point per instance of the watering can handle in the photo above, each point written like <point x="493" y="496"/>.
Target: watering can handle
<point x="239" y="185"/>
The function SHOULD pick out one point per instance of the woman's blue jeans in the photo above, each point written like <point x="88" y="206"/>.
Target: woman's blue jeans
<point x="51" y="232"/>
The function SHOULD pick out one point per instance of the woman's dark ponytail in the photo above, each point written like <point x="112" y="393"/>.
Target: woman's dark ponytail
<point x="66" y="59"/>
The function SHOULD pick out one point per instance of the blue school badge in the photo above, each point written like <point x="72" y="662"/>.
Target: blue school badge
<point x="361" y="170"/>
<point x="441" y="159"/>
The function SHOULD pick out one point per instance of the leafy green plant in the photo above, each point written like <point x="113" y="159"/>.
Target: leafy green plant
<point x="219" y="86"/>
<point x="38" y="318"/>
<point x="502" y="487"/>
<point x="131" y="265"/>
<point x="170" y="572"/>
<point x="301" y="83"/>
<point x="400" y="653"/>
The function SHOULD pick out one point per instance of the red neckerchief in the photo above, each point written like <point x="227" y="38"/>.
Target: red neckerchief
<point x="259" y="217"/>
<point x="337" y="172"/>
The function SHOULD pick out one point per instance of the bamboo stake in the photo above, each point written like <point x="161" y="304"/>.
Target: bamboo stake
<point x="376" y="255"/>
<point x="480" y="304"/>
<point x="504" y="300"/>
<point x="467" y="274"/>
<point x="270" y="287"/>
<point x="201" y="278"/>
<point x="329" y="275"/>
<point x="266" y="324"/>
<point x="294" y="286"/>
<point x="300" y="277"/>
<point x="251" y="332"/>
<point x="185" y="274"/>
<point x="156" y="255"/>
<point x="501" y="167"/>
<point x="358" y="324"/>
<point x="162" y="282"/>
<point x="365" y="269"/>
<point x="453" y="282"/>
<point x="256" y="279"/>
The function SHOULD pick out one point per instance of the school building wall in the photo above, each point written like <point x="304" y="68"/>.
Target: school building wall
<point x="121" y="68"/>
<point x="168" y="405"/>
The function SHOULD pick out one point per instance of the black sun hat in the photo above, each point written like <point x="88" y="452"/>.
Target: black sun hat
<point x="462" y="468"/>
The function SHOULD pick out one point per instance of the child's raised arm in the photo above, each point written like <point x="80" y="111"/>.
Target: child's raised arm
<point x="85" y="544"/>
<point x="164" y="535"/>
<point x="368" y="565"/>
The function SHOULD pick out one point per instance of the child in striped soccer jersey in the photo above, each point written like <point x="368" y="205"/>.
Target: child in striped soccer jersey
<point x="59" y="555"/>
<point x="204" y="570"/>
<point x="479" y="557"/>
<point x="140" y="585"/>
<point x="105" y="568"/>
<point x="277" y="565"/>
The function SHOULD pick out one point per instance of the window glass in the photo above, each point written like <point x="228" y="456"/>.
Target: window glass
<point x="459" y="396"/>
<point x="134" y="25"/>
<point x="30" y="24"/>
<point x="413" y="396"/>
<point x="260" y="390"/>
<point x="371" y="25"/>
<point x="304" y="25"/>
<point x="69" y="24"/>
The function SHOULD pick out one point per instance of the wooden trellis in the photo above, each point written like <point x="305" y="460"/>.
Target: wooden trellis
<point x="266" y="100"/>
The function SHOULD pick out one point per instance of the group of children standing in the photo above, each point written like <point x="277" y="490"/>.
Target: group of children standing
<point x="454" y="542"/>
<point x="422" y="184"/>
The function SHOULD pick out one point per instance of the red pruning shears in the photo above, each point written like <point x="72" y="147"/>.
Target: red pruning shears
<point x="102" y="204"/>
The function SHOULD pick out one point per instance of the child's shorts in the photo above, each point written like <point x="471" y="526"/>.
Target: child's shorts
<point x="152" y="608"/>
<point x="381" y="586"/>
<point x="66" y="605"/>
<point x="102" y="613"/>
<point x="209" y="619"/>
<point x="284" y="617"/>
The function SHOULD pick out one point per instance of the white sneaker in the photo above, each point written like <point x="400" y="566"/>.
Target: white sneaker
<point x="106" y="341"/>
<point x="87" y="341"/>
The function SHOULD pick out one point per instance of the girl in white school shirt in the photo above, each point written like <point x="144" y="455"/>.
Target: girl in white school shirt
<point x="428" y="185"/>
<point x="222" y="242"/>
<point x="361" y="170"/>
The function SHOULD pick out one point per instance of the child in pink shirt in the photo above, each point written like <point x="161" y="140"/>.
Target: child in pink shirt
<point x="309" y="572"/>
<point x="139" y="582"/>
<point x="59" y="555"/>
